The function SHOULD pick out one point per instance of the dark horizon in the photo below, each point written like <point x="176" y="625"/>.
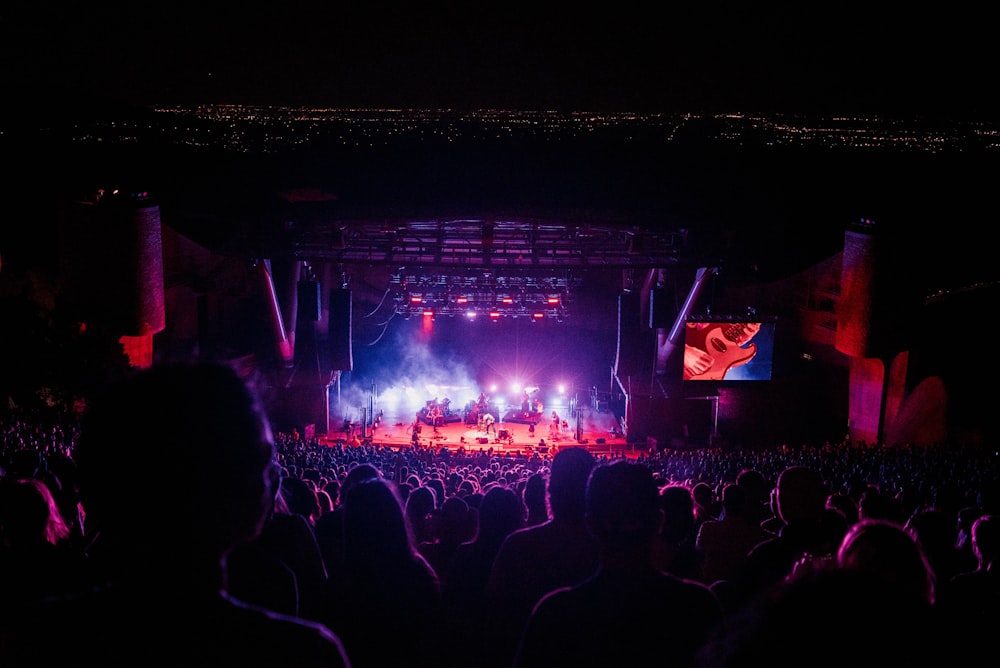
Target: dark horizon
<point x="849" y="59"/>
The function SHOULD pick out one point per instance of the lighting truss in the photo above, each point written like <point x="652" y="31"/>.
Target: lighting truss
<point x="484" y="295"/>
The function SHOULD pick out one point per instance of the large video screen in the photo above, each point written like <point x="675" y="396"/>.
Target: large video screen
<point x="728" y="350"/>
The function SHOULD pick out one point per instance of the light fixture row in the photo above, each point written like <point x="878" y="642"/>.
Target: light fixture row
<point x="410" y="310"/>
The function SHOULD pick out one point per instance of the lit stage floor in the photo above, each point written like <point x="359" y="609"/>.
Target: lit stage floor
<point x="595" y="434"/>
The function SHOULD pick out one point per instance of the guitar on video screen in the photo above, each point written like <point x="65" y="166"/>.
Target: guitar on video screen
<point x="717" y="348"/>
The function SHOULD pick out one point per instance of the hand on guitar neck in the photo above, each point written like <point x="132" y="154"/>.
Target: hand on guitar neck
<point x="711" y="349"/>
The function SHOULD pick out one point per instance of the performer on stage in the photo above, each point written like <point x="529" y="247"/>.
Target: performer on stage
<point x="489" y="422"/>
<point x="415" y="431"/>
<point x="435" y="416"/>
<point x="554" y="427"/>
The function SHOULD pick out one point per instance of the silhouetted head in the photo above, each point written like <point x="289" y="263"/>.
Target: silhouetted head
<point x="891" y="552"/>
<point x="571" y="469"/>
<point x="534" y="492"/>
<point x="986" y="539"/>
<point x="28" y="513"/>
<point x="454" y="521"/>
<point x="420" y="503"/>
<point x="197" y="438"/>
<point x="501" y="512"/>
<point x="623" y="504"/>
<point x="376" y="532"/>
<point x="678" y="513"/>
<point x="801" y="495"/>
<point x="734" y="500"/>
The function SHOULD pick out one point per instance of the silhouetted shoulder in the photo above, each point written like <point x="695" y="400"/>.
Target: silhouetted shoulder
<point x="118" y="628"/>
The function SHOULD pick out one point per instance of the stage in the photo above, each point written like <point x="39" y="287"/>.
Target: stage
<point x="596" y="431"/>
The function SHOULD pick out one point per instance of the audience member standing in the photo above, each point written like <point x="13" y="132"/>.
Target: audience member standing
<point x="706" y="505"/>
<point x="329" y="528"/>
<point x="500" y="514"/>
<point x="758" y="490"/>
<point x="725" y="542"/>
<point x="675" y="550"/>
<point x="869" y="604"/>
<point x="937" y="531"/>
<point x="384" y="586"/>
<point x="38" y="557"/>
<point x="969" y="603"/>
<point x="452" y="524"/>
<point x="419" y="509"/>
<point x="535" y="499"/>
<point x="535" y="560"/>
<point x="628" y="613"/>
<point x="809" y="528"/>
<point x="282" y="568"/>
<point x="160" y="598"/>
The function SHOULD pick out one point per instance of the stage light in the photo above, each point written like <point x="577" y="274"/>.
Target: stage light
<point x="416" y="299"/>
<point x="553" y="301"/>
<point x="428" y="313"/>
<point x="537" y="316"/>
<point x="461" y="300"/>
<point x="495" y="315"/>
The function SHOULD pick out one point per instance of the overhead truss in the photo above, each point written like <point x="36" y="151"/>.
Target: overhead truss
<point x="517" y="245"/>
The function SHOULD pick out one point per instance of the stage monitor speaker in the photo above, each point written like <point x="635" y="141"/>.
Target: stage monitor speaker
<point x="504" y="434"/>
<point x="482" y="440"/>
<point x="341" y="355"/>
<point x="600" y="441"/>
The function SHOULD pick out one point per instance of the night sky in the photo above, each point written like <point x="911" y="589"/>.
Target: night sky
<point x="833" y="57"/>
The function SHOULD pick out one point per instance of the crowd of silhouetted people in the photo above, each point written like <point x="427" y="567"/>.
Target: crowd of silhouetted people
<point x="168" y="525"/>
